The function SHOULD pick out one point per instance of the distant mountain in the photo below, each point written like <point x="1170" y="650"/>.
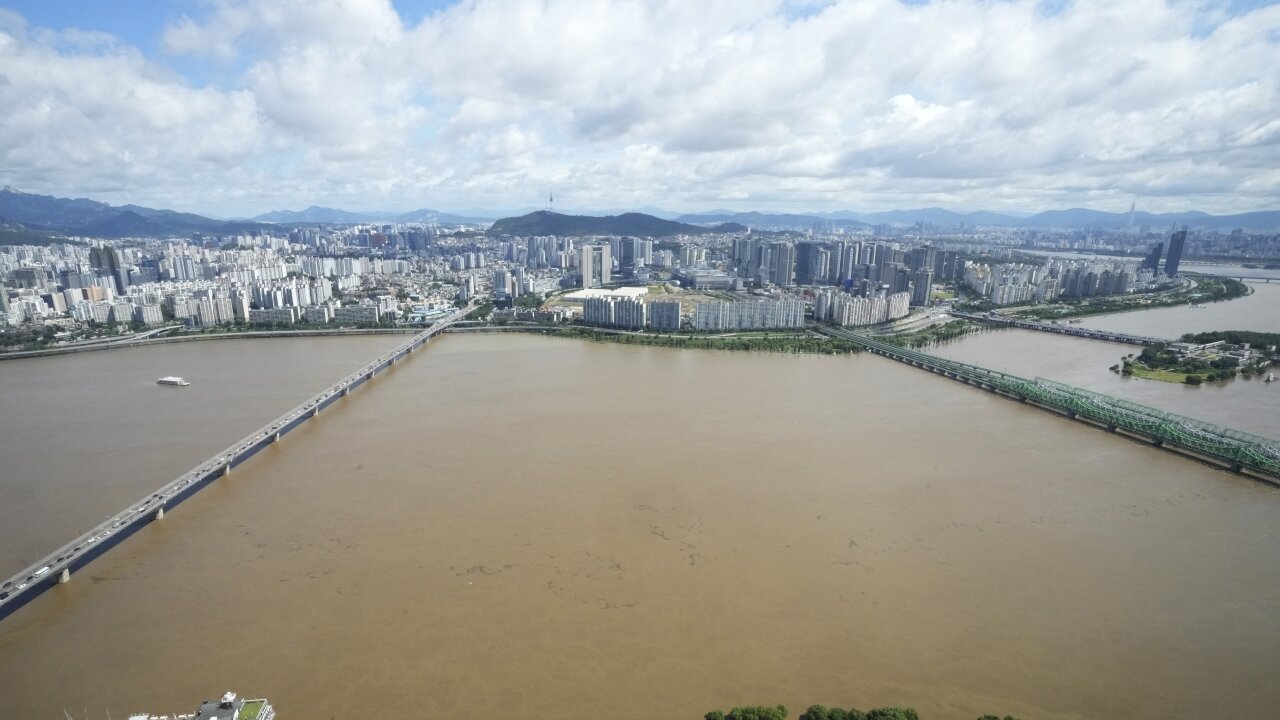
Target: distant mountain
<point x="1082" y="217"/>
<point x="1073" y="218"/>
<point x="427" y="216"/>
<point x="315" y="214"/>
<point x="772" y="221"/>
<point x="543" y="222"/>
<point x="335" y="216"/>
<point x="936" y="216"/>
<point x="45" y="213"/>
<point x="48" y="211"/>
<point x="15" y="233"/>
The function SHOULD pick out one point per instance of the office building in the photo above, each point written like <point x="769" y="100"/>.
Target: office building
<point x="595" y="263"/>
<point x="922" y="286"/>
<point x="1152" y="261"/>
<point x="1176" y="241"/>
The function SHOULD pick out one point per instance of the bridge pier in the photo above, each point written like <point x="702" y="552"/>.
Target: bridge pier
<point x="345" y="390"/>
<point x="65" y="577"/>
<point x="276" y="437"/>
<point x="160" y="513"/>
<point x="226" y="469"/>
<point x="315" y="411"/>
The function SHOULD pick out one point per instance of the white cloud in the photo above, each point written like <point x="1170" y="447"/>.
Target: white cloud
<point x="801" y="105"/>
<point x="83" y="113"/>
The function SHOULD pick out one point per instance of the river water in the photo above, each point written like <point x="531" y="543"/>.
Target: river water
<point x="524" y="527"/>
<point x="1245" y="404"/>
<point x="85" y="435"/>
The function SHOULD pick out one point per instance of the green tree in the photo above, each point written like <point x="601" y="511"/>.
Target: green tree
<point x="892" y="713"/>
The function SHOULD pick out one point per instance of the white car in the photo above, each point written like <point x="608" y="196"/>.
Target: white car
<point x="41" y="571"/>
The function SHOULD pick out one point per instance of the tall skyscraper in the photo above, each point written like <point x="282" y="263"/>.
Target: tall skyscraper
<point x="783" y="268"/>
<point x="922" y="286"/>
<point x="595" y="262"/>
<point x="107" y="264"/>
<point x="1152" y="261"/>
<point x="808" y="264"/>
<point x="1174" y="257"/>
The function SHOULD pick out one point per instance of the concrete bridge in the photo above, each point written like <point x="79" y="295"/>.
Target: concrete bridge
<point x="59" y="565"/>
<point x="1059" y="329"/>
<point x="1229" y="449"/>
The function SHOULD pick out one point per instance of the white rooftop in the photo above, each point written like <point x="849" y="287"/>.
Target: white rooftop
<point x="624" y="292"/>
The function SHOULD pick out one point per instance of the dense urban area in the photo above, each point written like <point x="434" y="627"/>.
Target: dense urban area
<point x="79" y="291"/>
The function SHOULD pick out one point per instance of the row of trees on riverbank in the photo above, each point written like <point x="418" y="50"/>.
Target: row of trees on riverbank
<point x="820" y="712"/>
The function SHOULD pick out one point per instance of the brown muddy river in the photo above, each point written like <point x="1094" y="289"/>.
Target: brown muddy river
<point x="527" y="527"/>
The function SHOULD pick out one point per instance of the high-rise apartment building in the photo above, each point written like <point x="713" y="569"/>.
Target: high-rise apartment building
<point x="749" y="314"/>
<point x="595" y="263"/>
<point x="782" y="263"/>
<point x="664" y="315"/>
<point x="615" y="312"/>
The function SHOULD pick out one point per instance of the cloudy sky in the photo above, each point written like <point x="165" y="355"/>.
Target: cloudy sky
<point x="235" y="107"/>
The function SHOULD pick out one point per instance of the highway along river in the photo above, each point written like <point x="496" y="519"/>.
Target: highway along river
<point x="524" y="527"/>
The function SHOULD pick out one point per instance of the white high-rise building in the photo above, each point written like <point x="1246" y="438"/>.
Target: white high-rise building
<point x="595" y="262"/>
<point x="615" y="312"/>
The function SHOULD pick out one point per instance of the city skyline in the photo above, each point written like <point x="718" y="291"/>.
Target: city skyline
<point x="234" y="109"/>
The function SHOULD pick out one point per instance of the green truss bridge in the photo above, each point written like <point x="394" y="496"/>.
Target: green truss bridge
<point x="1231" y="449"/>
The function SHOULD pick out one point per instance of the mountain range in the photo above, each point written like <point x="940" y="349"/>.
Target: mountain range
<point x="316" y="214"/>
<point x="64" y="216"/>
<point x="544" y="222"/>
<point x="1073" y="218"/>
<point x="41" y="217"/>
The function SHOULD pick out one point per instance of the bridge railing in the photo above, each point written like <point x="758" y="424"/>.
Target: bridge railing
<point x="1236" y="448"/>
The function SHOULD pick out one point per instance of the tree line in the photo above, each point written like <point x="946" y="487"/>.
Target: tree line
<point x="780" y="344"/>
<point x="820" y="712"/>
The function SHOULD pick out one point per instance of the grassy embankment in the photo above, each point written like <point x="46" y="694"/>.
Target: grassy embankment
<point x="935" y="334"/>
<point x="768" y="342"/>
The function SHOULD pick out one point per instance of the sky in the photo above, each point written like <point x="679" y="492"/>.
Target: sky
<point x="236" y="107"/>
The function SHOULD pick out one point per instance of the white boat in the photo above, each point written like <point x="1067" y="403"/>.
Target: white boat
<point x="171" y="380"/>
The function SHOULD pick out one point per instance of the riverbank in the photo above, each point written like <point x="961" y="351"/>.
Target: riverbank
<point x="1207" y="289"/>
<point x="935" y="334"/>
<point x="780" y="343"/>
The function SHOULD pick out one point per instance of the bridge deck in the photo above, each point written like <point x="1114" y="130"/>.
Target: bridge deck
<point x="1060" y="329"/>
<point x="1231" y="449"/>
<point x="71" y="557"/>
